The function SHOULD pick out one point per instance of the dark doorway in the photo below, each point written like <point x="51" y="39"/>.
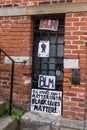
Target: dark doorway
<point x="53" y="64"/>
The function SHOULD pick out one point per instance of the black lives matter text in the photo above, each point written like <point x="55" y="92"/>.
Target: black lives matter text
<point x="46" y="101"/>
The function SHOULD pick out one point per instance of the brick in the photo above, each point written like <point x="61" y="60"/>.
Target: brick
<point x="78" y="33"/>
<point x="77" y="99"/>
<point x="69" y="113"/>
<point x="80" y="24"/>
<point x="69" y="103"/>
<point x="71" y="94"/>
<point x="66" y="88"/>
<point x="78" y="89"/>
<point x="67" y="84"/>
<point x="77" y="109"/>
<point x="71" y="37"/>
<point x="66" y="80"/>
<point x="67" y="51"/>
<point x="72" y="19"/>
<point x="71" y="28"/>
<point x="84" y="66"/>
<point x="71" y="56"/>
<point x="71" y="46"/>
<point x="80" y="116"/>
<point x="67" y="75"/>
<point x="83" y="28"/>
<point x="82" y="47"/>
<point x="69" y="15"/>
<point x="81" y="105"/>
<point x="67" y="70"/>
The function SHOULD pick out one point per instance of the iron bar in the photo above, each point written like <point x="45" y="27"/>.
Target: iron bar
<point x="6" y="54"/>
<point x="11" y="89"/>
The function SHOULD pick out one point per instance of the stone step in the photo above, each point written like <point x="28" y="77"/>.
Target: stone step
<point x="39" y="121"/>
<point x="8" y="124"/>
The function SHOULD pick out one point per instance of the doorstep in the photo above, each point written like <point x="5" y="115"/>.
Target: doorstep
<point x="43" y="121"/>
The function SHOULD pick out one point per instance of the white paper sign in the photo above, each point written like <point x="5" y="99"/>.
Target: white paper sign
<point x="46" y="81"/>
<point x="43" y="49"/>
<point x="46" y="101"/>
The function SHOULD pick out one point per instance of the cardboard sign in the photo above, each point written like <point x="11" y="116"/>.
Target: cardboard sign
<point x="49" y="25"/>
<point x="46" y="81"/>
<point x="43" y="49"/>
<point x="46" y="101"/>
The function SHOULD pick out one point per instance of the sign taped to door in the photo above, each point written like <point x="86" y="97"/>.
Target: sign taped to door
<point x="43" y="49"/>
<point x="48" y="24"/>
<point x="46" y="81"/>
<point x="46" y="101"/>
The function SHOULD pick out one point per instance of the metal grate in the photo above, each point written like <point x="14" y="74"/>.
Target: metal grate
<point x="52" y="65"/>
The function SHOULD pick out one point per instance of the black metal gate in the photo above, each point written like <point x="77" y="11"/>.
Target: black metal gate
<point x="52" y="65"/>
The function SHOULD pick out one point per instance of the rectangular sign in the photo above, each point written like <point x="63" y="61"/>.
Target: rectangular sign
<point x="46" y="101"/>
<point x="46" y="81"/>
<point x="49" y="24"/>
<point x="43" y="49"/>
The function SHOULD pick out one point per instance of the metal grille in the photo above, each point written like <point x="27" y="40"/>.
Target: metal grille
<point x="52" y="65"/>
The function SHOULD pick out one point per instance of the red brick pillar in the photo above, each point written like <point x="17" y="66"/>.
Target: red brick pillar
<point x="75" y="48"/>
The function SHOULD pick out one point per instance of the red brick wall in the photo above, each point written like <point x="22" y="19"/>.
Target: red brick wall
<point x="75" y="39"/>
<point x="15" y="40"/>
<point x="12" y="3"/>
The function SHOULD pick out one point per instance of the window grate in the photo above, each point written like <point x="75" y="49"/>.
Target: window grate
<point x="52" y="65"/>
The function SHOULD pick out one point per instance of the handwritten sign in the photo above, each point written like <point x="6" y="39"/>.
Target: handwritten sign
<point x="46" y="101"/>
<point x="43" y="49"/>
<point x="49" y="24"/>
<point x="46" y="81"/>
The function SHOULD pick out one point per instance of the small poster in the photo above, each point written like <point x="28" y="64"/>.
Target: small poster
<point x="43" y="49"/>
<point x="46" y="81"/>
<point x="49" y="24"/>
<point x="46" y="101"/>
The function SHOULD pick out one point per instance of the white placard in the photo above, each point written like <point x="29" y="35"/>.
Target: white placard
<point x="46" y="81"/>
<point x="43" y="49"/>
<point x="71" y="63"/>
<point x="46" y="101"/>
